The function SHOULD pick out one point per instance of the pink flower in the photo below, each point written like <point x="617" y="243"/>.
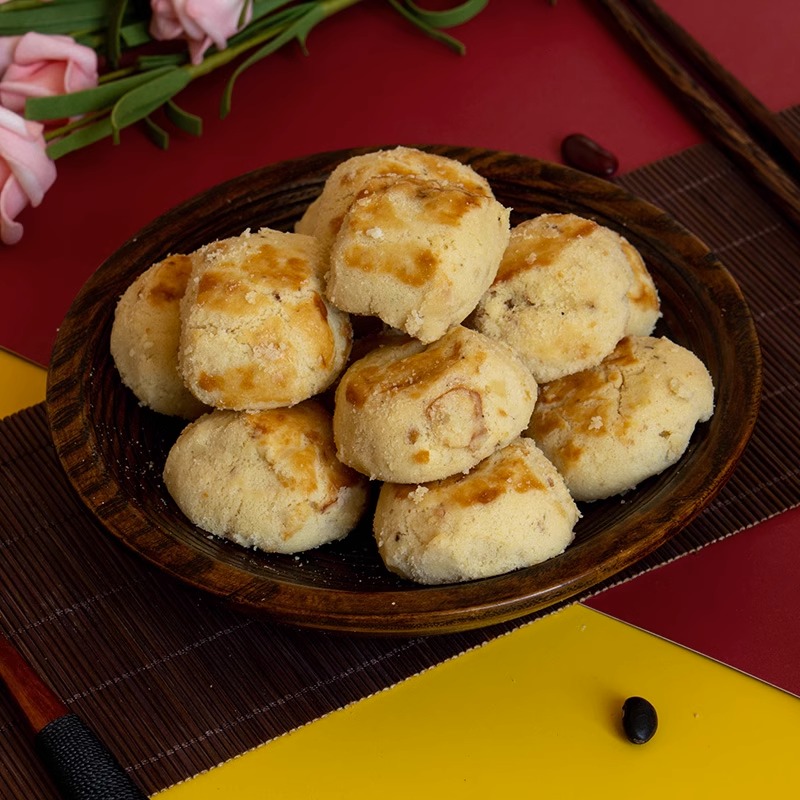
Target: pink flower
<point x="26" y="171"/>
<point x="42" y="65"/>
<point x="201" y="22"/>
<point x="7" y="46"/>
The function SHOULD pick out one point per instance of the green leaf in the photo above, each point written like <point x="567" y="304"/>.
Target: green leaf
<point x="156" y="133"/>
<point x="261" y="29"/>
<point x="187" y="122"/>
<point x="81" y="15"/>
<point x="103" y="96"/>
<point x="263" y="7"/>
<point x="135" y="34"/>
<point x="438" y="35"/>
<point x="113" y="41"/>
<point x="312" y="13"/>
<point x="450" y="17"/>
<point x="152" y="62"/>
<point x="144" y="99"/>
<point x="80" y="138"/>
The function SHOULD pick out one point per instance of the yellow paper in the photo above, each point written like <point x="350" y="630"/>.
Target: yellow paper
<point x="537" y="713"/>
<point x="23" y="383"/>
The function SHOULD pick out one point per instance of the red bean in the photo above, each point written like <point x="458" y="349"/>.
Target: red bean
<point x="583" y="153"/>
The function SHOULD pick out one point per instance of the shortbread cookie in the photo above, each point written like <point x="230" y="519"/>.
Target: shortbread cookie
<point x="145" y="336"/>
<point x="267" y="479"/>
<point x="560" y="297"/>
<point x="645" y="305"/>
<point x="257" y="332"/>
<point x="417" y="254"/>
<point x="413" y="238"/>
<point x="324" y="216"/>
<point x="608" y="428"/>
<point x="411" y="413"/>
<point x="512" y="510"/>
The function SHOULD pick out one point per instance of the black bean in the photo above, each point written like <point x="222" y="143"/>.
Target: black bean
<point x="583" y="153"/>
<point x="639" y="720"/>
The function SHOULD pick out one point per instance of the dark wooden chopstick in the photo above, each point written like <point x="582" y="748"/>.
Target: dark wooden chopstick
<point x="750" y="155"/>
<point x="80" y="765"/>
<point x="782" y="143"/>
<point x="38" y="704"/>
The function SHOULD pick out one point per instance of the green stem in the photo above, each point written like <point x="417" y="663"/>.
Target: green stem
<point x="84" y="119"/>
<point x="20" y="5"/>
<point x="120" y="73"/>
<point x="222" y="57"/>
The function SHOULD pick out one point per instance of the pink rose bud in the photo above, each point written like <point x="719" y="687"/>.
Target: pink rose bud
<point x="201" y="22"/>
<point x="26" y="171"/>
<point x="7" y="46"/>
<point x="42" y="66"/>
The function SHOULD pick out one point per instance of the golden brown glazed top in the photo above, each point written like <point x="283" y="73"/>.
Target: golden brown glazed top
<point x="641" y="294"/>
<point x="298" y="443"/>
<point x="585" y="402"/>
<point x="225" y="282"/>
<point x="533" y="248"/>
<point x="169" y="279"/>
<point x="507" y="472"/>
<point x="379" y="220"/>
<point x="398" y="367"/>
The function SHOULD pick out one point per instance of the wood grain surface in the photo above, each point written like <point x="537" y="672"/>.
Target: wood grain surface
<point x="113" y="449"/>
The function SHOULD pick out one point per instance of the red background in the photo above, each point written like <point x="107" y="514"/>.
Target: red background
<point x="533" y="73"/>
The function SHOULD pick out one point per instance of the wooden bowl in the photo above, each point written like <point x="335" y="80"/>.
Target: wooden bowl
<point x="113" y="450"/>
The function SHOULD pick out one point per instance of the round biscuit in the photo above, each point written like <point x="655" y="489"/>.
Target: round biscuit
<point x="411" y="413"/>
<point x="560" y="297"/>
<point x="324" y="216"/>
<point x="417" y="254"/>
<point x="257" y="332"/>
<point x="145" y="335"/>
<point x="512" y="510"/>
<point x="267" y="479"/>
<point x="608" y="428"/>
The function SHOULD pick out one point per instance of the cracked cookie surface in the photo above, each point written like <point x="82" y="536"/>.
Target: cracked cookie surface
<point x="412" y="413"/>
<point x="608" y="428"/>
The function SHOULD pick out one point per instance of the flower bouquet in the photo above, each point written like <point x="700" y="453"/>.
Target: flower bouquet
<point x="73" y="72"/>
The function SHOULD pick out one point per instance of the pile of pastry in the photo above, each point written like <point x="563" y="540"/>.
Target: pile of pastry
<point x="500" y="374"/>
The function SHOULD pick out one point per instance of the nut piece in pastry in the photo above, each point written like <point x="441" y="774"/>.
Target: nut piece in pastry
<point x="560" y="297"/>
<point x="267" y="479"/>
<point x="608" y="428"/>
<point x="257" y="332"/>
<point x="145" y="336"/>
<point x="411" y="413"/>
<point x="512" y="510"/>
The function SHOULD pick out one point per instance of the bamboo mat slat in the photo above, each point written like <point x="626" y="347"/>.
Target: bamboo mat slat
<point x="175" y="683"/>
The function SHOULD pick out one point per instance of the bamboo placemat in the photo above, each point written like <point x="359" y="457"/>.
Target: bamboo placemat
<point x="175" y="683"/>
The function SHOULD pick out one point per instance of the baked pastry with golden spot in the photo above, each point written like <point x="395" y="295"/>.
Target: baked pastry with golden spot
<point x="257" y="332"/>
<point x="608" y="428"/>
<point x="413" y="238"/>
<point x="512" y="510"/>
<point x="267" y="479"/>
<point x="560" y="297"/>
<point x="417" y="254"/>
<point x="324" y="216"/>
<point x="145" y="335"/>
<point x="645" y="305"/>
<point x="412" y="413"/>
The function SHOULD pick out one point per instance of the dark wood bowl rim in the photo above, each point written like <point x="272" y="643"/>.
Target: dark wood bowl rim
<point x="417" y="610"/>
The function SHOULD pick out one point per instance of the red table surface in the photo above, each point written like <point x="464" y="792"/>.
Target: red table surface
<point x="532" y="74"/>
